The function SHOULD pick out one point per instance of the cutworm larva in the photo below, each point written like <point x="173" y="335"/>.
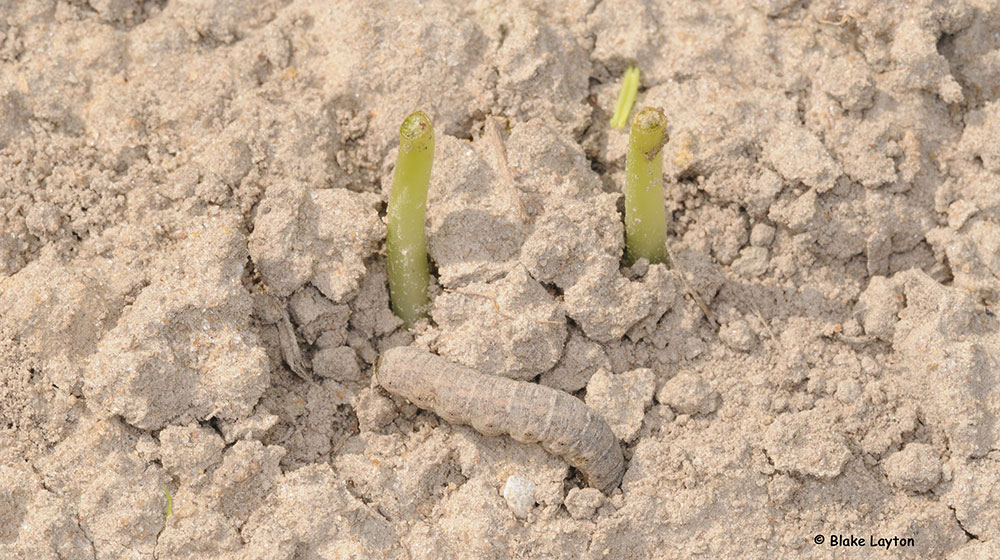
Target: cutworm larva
<point x="528" y="412"/>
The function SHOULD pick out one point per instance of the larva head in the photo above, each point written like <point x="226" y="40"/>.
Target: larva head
<point x="390" y="372"/>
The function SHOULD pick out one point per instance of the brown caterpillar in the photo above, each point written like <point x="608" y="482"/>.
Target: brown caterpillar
<point x="528" y="412"/>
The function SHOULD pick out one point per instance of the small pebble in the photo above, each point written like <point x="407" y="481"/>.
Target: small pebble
<point x="519" y="493"/>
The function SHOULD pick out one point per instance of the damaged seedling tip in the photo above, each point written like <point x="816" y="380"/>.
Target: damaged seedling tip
<point x="406" y="251"/>
<point x="626" y="97"/>
<point x="645" y="215"/>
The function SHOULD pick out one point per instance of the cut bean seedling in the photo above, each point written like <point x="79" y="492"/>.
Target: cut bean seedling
<point x="406" y="248"/>
<point x="645" y="215"/>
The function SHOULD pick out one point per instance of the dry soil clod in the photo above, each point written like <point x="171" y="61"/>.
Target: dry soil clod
<point x="527" y="412"/>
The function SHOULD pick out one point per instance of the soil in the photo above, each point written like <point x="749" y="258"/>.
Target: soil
<point x="193" y="289"/>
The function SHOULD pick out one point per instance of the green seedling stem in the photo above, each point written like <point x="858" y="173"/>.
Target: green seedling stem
<point x="170" y="504"/>
<point x="645" y="216"/>
<point x="406" y="249"/>
<point x="626" y="97"/>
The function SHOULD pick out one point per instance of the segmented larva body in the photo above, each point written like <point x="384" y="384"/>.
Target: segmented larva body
<point x="527" y="412"/>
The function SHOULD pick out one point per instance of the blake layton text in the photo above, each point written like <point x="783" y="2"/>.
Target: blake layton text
<point x="872" y="541"/>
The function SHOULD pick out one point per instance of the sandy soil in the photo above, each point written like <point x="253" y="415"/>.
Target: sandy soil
<point x="193" y="290"/>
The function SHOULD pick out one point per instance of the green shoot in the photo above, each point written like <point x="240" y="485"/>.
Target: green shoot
<point x="626" y="97"/>
<point x="170" y="503"/>
<point x="645" y="216"/>
<point x="405" y="244"/>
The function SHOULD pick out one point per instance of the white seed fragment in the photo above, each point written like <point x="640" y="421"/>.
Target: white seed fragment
<point x="519" y="492"/>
